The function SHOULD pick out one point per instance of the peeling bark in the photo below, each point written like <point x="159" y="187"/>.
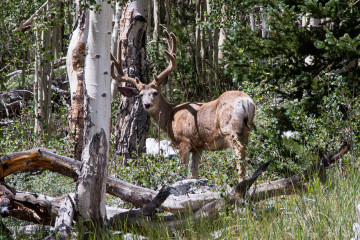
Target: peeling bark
<point x="75" y="62"/>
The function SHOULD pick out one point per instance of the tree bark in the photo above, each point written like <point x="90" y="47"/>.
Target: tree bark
<point x="198" y="42"/>
<point x="132" y="121"/>
<point x="91" y="185"/>
<point x="114" y="41"/>
<point x="222" y="35"/>
<point x="75" y="62"/>
<point x="43" y="79"/>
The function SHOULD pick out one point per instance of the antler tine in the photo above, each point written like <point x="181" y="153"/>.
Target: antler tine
<point x="171" y="55"/>
<point x="171" y="40"/>
<point x="118" y="64"/>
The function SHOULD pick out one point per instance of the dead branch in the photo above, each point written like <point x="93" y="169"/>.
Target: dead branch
<point x="20" y="231"/>
<point x="287" y="186"/>
<point x="27" y="22"/>
<point x="145" y="218"/>
<point x="64" y="219"/>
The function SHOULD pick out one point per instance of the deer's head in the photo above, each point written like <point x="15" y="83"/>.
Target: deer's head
<point x="150" y="93"/>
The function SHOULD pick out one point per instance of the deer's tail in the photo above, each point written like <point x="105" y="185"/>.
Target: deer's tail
<point x="249" y="107"/>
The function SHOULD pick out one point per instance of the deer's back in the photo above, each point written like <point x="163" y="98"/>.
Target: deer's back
<point x="204" y="125"/>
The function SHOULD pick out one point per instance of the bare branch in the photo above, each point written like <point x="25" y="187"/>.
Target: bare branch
<point x="27" y="22"/>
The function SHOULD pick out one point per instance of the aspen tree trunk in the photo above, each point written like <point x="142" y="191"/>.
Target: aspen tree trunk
<point x="75" y="62"/>
<point x="149" y="29"/>
<point x="43" y="80"/>
<point x="168" y="15"/>
<point x="168" y="27"/>
<point x="37" y="81"/>
<point x="90" y="193"/>
<point x="263" y="22"/>
<point x="132" y="121"/>
<point x="198" y="42"/>
<point x="210" y="50"/>
<point x="58" y="31"/>
<point x="216" y="56"/>
<point x="222" y="35"/>
<point x="156" y="31"/>
<point x="114" y="40"/>
<point x="252" y="20"/>
<point x="308" y="22"/>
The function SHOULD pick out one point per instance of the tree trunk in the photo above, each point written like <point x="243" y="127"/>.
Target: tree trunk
<point x="114" y="40"/>
<point x="91" y="187"/>
<point x="43" y="79"/>
<point x="222" y="35"/>
<point x="155" y="35"/>
<point x="48" y="48"/>
<point x="210" y="50"/>
<point x="198" y="42"/>
<point x="132" y="121"/>
<point x="308" y="21"/>
<point x="263" y="22"/>
<point x="75" y="61"/>
<point x="37" y="81"/>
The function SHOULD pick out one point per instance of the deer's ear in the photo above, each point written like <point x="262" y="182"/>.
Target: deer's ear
<point x="128" y="91"/>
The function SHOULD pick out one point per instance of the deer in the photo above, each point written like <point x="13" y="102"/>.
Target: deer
<point x="193" y="127"/>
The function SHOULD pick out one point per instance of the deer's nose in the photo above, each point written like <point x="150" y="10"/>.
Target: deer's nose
<point x="147" y="105"/>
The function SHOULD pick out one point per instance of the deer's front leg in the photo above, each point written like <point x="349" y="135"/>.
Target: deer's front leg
<point x="184" y="151"/>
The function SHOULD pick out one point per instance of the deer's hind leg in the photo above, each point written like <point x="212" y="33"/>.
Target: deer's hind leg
<point x="240" y="155"/>
<point x="184" y="152"/>
<point x="196" y="155"/>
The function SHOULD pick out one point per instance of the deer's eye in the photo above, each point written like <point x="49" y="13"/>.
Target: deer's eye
<point x="155" y="93"/>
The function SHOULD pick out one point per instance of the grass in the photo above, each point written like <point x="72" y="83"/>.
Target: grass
<point x="320" y="211"/>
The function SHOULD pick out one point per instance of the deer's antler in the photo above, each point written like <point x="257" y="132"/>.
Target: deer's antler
<point x="116" y="63"/>
<point x="171" y="55"/>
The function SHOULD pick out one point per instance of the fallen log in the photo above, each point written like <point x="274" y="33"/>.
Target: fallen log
<point x="138" y="196"/>
<point x="40" y="159"/>
<point x="42" y="209"/>
<point x="145" y="218"/>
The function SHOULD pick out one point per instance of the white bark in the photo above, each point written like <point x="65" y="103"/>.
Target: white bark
<point x="93" y="173"/>
<point x="156" y="20"/>
<point x="222" y="34"/>
<point x="263" y="23"/>
<point x="308" y="21"/>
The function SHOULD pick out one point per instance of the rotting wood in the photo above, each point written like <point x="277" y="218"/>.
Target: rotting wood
<point x="64" y="219"/>
<point x="20" y="231"/>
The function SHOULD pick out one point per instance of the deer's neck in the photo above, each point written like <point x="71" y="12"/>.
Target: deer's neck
<point x="162" y="113"/>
